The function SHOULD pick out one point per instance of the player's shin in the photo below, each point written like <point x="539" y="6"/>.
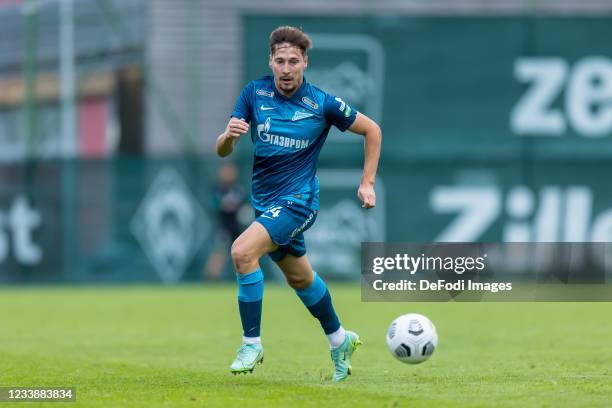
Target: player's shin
<point x="318" y="300"/>
<point x="250" y="295"/>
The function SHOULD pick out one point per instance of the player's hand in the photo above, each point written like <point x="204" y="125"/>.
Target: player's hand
<point x="236" y="128"/>
<point x="367" y="195"/>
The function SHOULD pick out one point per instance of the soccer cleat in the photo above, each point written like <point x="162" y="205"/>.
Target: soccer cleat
<point x="248" y="356"/>
<point x="341" y="356"/>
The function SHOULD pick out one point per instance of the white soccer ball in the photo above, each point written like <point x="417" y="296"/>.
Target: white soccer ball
<point x="412" y="338"/>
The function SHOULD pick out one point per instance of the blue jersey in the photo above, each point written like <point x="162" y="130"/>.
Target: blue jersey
<point x="287" y="135"/>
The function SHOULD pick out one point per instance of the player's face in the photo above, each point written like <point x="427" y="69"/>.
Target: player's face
<point x="288" y="65"/>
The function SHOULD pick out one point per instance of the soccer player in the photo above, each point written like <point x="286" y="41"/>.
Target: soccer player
<point x="289" y="121"/>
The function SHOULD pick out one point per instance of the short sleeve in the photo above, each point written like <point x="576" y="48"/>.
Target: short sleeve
<point x="242" y="109"/>
<point x="338" y="113"/>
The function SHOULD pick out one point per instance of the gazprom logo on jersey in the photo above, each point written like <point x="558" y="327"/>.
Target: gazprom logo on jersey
<point x="263" y="133"/>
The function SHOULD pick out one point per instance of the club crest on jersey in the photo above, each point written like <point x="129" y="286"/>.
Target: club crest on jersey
<point x="310" y="103"/>
<point x="263" y="133"/>
<point x="301" y="115"/>
<point x="261" y="92"/>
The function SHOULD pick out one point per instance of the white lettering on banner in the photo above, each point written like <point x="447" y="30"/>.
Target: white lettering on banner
<point x="21" y="221"/>
<point x="587" y="103"/>
<point x="477" y="207"/>
<point x="589" y="97"/>
<point x="562" y="214"/>
<point x="532" y="113"/>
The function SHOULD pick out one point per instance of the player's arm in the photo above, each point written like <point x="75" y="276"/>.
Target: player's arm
<point x="238" y="124"/>
<point x="226" y="140"/>
<point x="372" y="140"/>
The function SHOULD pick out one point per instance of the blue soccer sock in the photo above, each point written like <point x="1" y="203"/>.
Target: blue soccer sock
<point x="317" y="299"/>
<point x="250" y="295"/>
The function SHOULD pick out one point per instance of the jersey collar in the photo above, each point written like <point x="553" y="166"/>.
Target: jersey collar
<point x="297" y="95"/>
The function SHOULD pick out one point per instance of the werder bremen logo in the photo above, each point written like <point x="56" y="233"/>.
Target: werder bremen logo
<point x="170" y="225"/>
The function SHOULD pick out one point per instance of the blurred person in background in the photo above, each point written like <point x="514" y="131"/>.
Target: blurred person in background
<point x="228" y="200"/>
<point x="290" y="121"/>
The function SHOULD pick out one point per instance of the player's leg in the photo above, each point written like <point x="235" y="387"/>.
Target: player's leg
<point x="246" y="251"/>
<point x="313" y="292"/>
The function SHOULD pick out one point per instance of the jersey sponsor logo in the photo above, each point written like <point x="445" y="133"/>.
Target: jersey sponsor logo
<point x="265" y="108"/>
<point x="298" y="115"/>
<point x="310" y="103"/>
<point x="265" y="93"/>
<point x="263" y="133"/>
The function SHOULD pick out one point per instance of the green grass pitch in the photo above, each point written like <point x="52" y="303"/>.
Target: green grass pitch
<point x="149" y="346"/>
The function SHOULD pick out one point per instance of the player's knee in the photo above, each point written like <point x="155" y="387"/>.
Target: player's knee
<point x="242" y="256"/>
<point x="298" y="282"/>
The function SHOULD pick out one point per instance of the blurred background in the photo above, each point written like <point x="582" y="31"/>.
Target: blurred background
<point x="496" y="118"/>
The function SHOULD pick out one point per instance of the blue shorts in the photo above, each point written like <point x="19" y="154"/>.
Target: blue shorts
<point x="286" y="222"/>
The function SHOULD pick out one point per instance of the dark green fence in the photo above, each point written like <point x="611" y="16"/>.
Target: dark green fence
<point x="134" y="219"/>
<point x="128" y="219"/>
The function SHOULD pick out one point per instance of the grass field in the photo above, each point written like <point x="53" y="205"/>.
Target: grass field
<point x="138" y="346"/>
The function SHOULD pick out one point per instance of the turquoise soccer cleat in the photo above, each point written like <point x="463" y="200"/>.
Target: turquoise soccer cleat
<point x="341" y="356"/>
<point x="248" y="357"/>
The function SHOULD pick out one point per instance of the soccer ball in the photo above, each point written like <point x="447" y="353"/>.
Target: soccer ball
<point x="412" y="338"/>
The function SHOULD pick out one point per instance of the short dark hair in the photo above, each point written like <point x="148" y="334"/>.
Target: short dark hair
<point x="291" y="35"/>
